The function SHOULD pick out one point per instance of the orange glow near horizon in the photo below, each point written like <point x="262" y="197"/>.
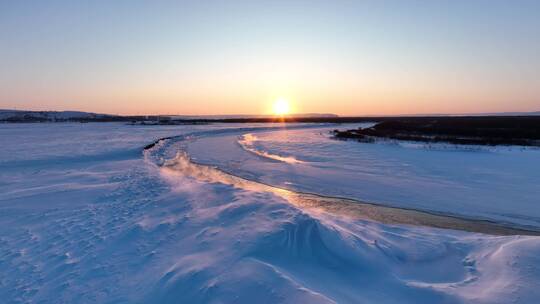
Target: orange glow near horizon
<point x="239" y="58"/>
<point x="281" y="107"/>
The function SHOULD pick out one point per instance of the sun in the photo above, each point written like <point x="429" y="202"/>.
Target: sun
<point x="281" y="107"/>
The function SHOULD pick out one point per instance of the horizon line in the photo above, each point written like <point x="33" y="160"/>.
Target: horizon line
<point x="513" y="113"/>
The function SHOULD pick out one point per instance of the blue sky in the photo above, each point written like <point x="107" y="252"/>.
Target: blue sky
<point x="224" y="57"/>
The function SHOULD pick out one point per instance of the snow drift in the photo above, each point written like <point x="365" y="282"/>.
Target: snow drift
<point x="102" y="223"/>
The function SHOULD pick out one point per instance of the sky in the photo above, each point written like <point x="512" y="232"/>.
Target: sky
<point x="238" y="57"/>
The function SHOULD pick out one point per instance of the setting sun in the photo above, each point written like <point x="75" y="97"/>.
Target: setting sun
<point x="281" y="107"/>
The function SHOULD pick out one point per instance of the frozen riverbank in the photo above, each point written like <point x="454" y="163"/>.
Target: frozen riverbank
<point x="87" y="218"/>
<point x="495" y="184"/>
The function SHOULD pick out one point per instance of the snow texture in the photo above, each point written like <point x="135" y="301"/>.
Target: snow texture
<point x="87" y="217"/>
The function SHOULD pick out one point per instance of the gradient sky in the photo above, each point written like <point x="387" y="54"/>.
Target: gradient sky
<point x="236" y="57"/>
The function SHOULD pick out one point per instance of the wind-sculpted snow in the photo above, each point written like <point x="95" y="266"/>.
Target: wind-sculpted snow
<point x="332" y="205"/>
<point x="318" y="243"/>
<point x="140" y="229"/>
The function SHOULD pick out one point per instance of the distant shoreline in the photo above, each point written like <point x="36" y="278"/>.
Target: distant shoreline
<point x="489" y="130"/>
<point x="28" y="116"/>
<point x="166" y="120"/>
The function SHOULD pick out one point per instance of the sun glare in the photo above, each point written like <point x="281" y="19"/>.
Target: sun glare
<point x="281" y="107"/>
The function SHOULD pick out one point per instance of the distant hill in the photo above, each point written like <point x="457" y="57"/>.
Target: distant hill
<point x="534" y="113"/>
<point x="245" y="116"/>
<point x="537" y="113"/>
<point x="7" y="115"/>
<point x="51" y="116"/>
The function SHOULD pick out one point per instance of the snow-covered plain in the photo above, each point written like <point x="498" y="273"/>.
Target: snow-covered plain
<point x="86" y="217"/>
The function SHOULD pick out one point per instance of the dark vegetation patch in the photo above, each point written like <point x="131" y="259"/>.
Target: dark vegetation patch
<point x="492" y="130"/>
<point x="150" y="146"/>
